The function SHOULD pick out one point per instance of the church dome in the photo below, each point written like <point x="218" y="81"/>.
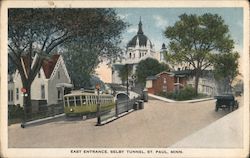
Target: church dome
<point x="142" y="39"/>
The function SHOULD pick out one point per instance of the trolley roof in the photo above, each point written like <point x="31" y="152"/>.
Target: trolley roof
<point x="85" y="93"/>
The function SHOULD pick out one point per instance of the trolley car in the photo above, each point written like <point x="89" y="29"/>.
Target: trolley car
<point x="79" y="104"/>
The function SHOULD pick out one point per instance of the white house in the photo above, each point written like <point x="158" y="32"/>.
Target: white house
<point x="207" y="83"/>
<point x="49" y="84"/>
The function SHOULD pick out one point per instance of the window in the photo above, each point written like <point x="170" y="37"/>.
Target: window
<point x="95" y="99"/>
<point x="8" y="95"/>
<point x="11" y="95"/>
<point x="58" y="75"/>
<point x="39" y="75"/>
<point x="78" y="101"/>
<point x="164" y="88"/>
<point x="87" y="100"/>
<point x="83" y="100"/>
<point x="42" y="91"/>
<point x="17" y="94"/>
<point x="58" y="94"/>
<point x="164" y="80"/>
<point x="130" y="55"/>
<point x="71" y="101"/>
<point x="65" y="102"/>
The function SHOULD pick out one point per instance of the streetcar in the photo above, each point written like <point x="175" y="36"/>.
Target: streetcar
<point x="84" y="103"/>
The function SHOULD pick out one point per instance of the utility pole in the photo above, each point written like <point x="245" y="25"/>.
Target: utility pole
<point x="127" y="77"/>
<point x="24" y="90"/>
<point x="98" y="105"/>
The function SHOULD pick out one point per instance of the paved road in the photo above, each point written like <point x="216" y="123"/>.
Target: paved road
<point x="159" y="124"/>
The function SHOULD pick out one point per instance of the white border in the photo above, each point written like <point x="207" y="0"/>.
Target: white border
<point x="55" y="152"/>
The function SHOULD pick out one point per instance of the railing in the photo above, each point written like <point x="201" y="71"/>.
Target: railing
<point x="44" y="111"/>
<point x="121" y="107"/>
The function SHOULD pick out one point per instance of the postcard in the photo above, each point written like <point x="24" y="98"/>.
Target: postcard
<point x="124" y="78"/>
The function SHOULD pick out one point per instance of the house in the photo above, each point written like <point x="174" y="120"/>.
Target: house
<point x="49" y="86"/>
<point x="166" y="81"/>
<point x="207" y="84"/>
<point x="175" y="80"/>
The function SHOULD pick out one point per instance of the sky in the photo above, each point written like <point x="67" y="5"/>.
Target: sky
<point x="155" y="21"/>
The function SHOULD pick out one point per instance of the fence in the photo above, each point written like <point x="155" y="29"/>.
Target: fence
<point x="120" y="108"/>
<point x="43" y="111"/>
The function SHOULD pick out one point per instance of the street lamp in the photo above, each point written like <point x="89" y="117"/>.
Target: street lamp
<point x="128" y="69"/>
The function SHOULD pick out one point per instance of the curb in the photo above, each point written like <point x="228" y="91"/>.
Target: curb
<point x="214" y="134"/>
<point x="23" y="125"/>
<point x="115" y="117"/>
<point x="173" y="101"/>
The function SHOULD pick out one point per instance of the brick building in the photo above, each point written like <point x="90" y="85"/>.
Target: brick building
<point x="167" y="81"/>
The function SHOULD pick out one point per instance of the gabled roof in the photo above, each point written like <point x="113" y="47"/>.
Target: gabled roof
<point x="48" y="65"/>
<point x="27" y="61"/>
<point x="151" y="78"/>
<point x="182" y="72"/>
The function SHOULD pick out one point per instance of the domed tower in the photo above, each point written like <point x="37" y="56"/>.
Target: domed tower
<point x="162" y="51"/>
<point x="139" y="47"/>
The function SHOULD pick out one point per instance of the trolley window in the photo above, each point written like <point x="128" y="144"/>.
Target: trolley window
<point x="78" y="101"/>
<point x="71" y="101"/>
<point x="83" y="100"/>
<point x="65" y="102"/>
<point x="100" y="100"/>
<point x="87" y="100"/>
<point x="94" y="99"/>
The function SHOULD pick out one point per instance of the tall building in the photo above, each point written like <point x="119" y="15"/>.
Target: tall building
<point x="138" y="48"/>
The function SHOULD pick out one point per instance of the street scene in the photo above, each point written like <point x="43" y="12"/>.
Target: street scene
<point x="158" y="125"/>
<point x="125" y="77"/>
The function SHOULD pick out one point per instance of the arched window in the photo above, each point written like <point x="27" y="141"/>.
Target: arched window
<point x="130" y="55"/>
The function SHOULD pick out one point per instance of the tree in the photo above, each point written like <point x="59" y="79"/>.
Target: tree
<point x="149" y="67"/>
<point x="85" y="52"/>
<point x="30" y="32"/>
<point x="226" y="69"/>
<point x="40" y="31"/>
<point x="124" y="72"/>
<point x="195" y="39"/>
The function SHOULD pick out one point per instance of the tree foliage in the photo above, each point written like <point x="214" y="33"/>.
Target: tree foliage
<point x="124" y="72"/>
<point x="30" y="32"/>
<point x="226" y="69"/>
<point x="149" y="67"/>
<point x="42" y="31"/>
<point x="195" y="39"/>
<point x="83" y="53"/>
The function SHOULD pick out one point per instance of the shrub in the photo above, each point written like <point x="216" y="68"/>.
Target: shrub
<point x="15" y="112"/>
<point x="186" y="93"/>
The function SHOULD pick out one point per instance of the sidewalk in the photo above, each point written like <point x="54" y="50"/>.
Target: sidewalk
<point x="226" y="132"/>
<point x="174" y="101"/>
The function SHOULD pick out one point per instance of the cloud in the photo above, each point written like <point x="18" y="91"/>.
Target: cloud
<point x="123" y="16"/>
<point x="157" y="44"/>
<point x="160" y="21"/>
<point x="132" y="30"/>
<point x="239" y="24"/>
<point x="238" y="48"/>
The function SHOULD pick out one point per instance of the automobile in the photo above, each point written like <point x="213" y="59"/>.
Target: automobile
<point x="226" y="102"/>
